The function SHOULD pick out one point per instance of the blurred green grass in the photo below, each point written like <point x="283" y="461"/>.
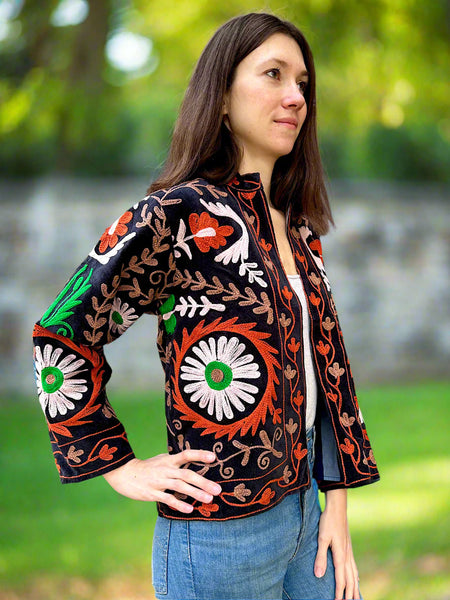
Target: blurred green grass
<point x="400" y="526"/>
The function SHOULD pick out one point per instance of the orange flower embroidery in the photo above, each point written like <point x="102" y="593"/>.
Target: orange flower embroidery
<point x="207" y="233"/>
<point x="118" y="229"/>
<point x="298" y="399"/>
<point x="267" y="496"/>
<point x="106" y="453"/>
<point x="248" y="195"/>
<point x="294" y="345"/>
<point x="276" y="415"/>
<point x="316" y="246"/>
<point x="314" y="299"/>
<point x="323" y="348"/>
<point x="299" y="453"/>
<point x="348" y="447"/>
<point x="207" y="509"/>
<point x="266" y="245"/>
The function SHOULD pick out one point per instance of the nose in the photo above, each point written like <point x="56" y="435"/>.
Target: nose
<point x="293" y="97"/>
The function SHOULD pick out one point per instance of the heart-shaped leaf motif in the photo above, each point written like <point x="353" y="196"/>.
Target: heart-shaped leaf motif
<point x="106" y="453"/>
<point x="299" y="453"/>
<point x="207" y="509"/>
<point x="267" y="496"/>
<point x="291" y="427"/>
<point x="336" y="370"/>
<point x="241" y="492"/>
<point x="314" y="279"/>
<point x="285" y="321"/>
<point x="347" y="447"/>
<point x="332" y="397"/>
<point x="323" y="348"/>
<point x="314" y="299"/>
<point x="248" y="195"/>
<point x="289" y="372"/>
<point x="250" y="218"/>
<point x="328" y="324"/>
<point x="346" y="420"/>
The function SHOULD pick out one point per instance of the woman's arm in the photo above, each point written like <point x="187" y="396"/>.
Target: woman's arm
<point x="334" y="532"/>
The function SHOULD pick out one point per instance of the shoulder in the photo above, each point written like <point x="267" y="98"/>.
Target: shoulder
<point x="194" y="191"/>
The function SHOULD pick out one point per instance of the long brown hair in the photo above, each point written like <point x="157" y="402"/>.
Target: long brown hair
<point x="202" y="145"/>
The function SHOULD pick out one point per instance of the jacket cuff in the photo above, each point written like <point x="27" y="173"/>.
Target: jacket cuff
<point x="93" y="455"/>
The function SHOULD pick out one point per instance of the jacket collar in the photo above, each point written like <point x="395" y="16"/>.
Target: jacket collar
<point x="246" y="182"/>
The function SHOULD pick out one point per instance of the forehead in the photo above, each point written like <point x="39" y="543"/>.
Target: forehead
<point x="278" y="46"/>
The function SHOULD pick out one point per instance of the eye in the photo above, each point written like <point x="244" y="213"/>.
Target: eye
<point x="273" y="73"/>
<point x="302" y="85"/>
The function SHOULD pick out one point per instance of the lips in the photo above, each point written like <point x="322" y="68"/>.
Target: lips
<point x="287" y="121"/>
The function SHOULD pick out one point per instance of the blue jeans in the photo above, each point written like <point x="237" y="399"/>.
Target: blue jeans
<point x="266" y="556"/>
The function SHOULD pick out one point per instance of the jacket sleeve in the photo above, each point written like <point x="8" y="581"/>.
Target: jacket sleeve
<point x="125" y="275"/>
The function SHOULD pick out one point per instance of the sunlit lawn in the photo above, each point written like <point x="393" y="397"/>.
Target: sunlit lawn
<point x="84" y="541"/>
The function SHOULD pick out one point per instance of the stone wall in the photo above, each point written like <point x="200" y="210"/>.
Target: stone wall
<point x="388" y="262"/>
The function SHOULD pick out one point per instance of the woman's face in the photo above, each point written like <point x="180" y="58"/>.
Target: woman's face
<point x="265" y="106"/>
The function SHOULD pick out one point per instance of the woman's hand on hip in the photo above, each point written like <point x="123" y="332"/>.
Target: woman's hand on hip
<point x="334" y="533"/>
<point x="154" y="478"/>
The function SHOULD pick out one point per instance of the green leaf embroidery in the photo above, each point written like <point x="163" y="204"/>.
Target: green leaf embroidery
<point x="60" y="310"/>
<point x="166" y="310"/>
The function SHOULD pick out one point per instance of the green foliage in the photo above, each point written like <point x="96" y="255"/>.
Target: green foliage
<point x="400" y="525"/>
<point x="382" y="76"/>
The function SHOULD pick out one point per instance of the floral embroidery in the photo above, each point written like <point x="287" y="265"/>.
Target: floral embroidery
<point x="218" y="371"/>
<point x="328" y="324"/>
<point x="219" y="376"/>
<point x="166" y="311"/>
<point x="207" y="509"/>
<point x="207" y="233"/>
<point x="118" y="229"/>
<point x="204" y="259"/>
<point x="121" y="317"/>
<point x="315" y="248"/>
<point x="55" y="380"/>
<point x="346" y="420"/>
<point x="74" y="454"/>
<point x="336" y="370"/>
<point x="241" y="492"/>
<point x="62" y="308"/>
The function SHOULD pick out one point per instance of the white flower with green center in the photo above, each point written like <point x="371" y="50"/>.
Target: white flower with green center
<point x="219" y="378"/>
<point x="57" y="386"/>
<point x="121" y="316"/>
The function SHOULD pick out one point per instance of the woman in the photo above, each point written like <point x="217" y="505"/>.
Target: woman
<point x="260" y="403"/>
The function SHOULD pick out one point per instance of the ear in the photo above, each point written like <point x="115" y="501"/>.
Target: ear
<point x="225" y="104"/>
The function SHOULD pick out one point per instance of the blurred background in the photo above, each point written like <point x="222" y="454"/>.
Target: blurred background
<point x="89" y="91"/>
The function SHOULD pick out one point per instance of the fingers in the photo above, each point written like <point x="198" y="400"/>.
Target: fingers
<point x="346" y="574"/>
<point x="320" y="564"/>
<point x="174" y="502"/>
<point x="194" y="479"/>
<point x="187" y="456"/>
<point x="339" y="572"/>
<point x="352" y="587"/>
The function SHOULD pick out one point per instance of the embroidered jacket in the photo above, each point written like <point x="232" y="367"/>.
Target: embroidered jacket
<point x="204" y="259"/>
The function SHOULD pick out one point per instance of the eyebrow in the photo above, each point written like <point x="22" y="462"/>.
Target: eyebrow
<point x="283" y="63"/>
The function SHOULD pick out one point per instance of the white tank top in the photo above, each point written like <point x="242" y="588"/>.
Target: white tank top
<point x="311" y="384"/>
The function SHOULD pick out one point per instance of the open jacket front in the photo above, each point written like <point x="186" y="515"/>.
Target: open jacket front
<point x="204" y="259"/>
